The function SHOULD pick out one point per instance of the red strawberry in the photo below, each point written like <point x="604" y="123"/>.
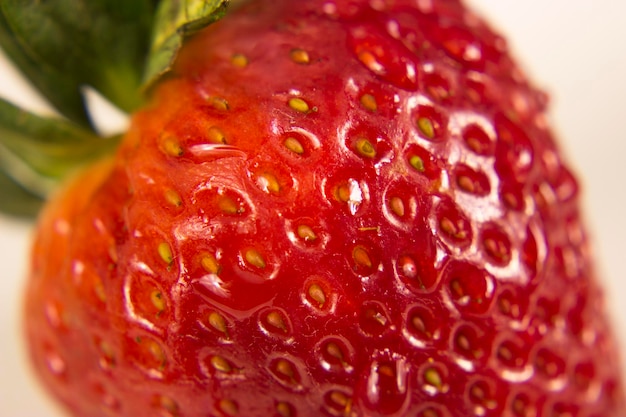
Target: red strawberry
<point x="340" y="208"/>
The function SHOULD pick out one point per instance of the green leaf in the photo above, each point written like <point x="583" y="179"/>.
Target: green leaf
<point x="175" y="20"/>
<point x="62" y="45"/>
<point x="61" y="92"/>
<point x="39" y="152"/>
<point x="16" y="201"/>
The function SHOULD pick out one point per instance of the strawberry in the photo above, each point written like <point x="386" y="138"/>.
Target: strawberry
<point x="340" y="208"/>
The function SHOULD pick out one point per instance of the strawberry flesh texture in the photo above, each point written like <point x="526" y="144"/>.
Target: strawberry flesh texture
<point x="331" y="209"/>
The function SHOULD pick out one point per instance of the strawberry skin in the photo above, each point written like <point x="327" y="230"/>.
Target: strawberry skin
<point x="331" y="208"/>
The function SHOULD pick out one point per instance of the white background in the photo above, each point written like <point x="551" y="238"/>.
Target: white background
<point x="574" y="49"/>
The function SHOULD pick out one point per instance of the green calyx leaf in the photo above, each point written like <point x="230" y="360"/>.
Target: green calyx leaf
<point x="174" y="21"/>
<point x="16" y="201"/>
<point x="63" y="45"/>
<point x="38" y="152"/>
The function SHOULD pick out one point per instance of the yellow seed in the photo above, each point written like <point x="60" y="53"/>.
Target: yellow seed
<point x="496" y="249"/>
<point x="474" y="144"/>
<point x="361" y="257"/>
<point x="284" y="367"/>
<point x="365" y="148"/>
<point x="419" y="325"/>
<point x="254" y="258"/>
<point x="397" y="206"/>
<point x="505" y="305"/>
<point x="107" y="351"/>
<point x="439" y="91"/>
<point x="218" y="322"/>
<point x="369" y="60"/>
<point x="210" y="264"/>
<point x="306" y="233"/>
<point x="466" y="184"/>
<point x="239" y="60"/>
<point x="275" y="319"/>
<point x="299" y="105"/>
<point x="457" y="288"/>
<point x="430" y="412"/>
<point x="268" y="183"/>
<point x="520" y="407"/>
<point x="452" y="229"/>
<point x="417" y="163"/>
<point x="377" y="316"/>
<point x="156" y="297"/>
<point x="505" y="353"/>
<point x="299" y="56"/>
<point x="433" y="377"/>
<point x="173" y="198"/>
<point x="368" y="102"/>
<point x="463" y="342"/>
<point x="426" y="127"/>
<point x="343" y="193"/>
<point x="335" y="351"/>
<point x="219" y="103"/>
<point x="283" y="409"/>
<point x="227" y="205"/>
<point x="387" y="371"/>
<point x="157" y="352"/>
<point x="294" y="145"/>
<point x="98" y="288"/>
<point x="229" y="407"/>
<point x="168" y="404"/>
<point x="220" y="364"/>
<point x="216" y="135"/>
<point x="165" y="252"/>
<point x="478" y="392"/>
<point x="170" y="145"/>
<point x="447" y="226"/>
<point x="340" y="399"/>
<point x="317" y="293"/>
<point x="510" y="199"/>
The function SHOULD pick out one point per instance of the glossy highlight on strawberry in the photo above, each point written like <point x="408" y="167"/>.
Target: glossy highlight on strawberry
<point x="330" y="208"/>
